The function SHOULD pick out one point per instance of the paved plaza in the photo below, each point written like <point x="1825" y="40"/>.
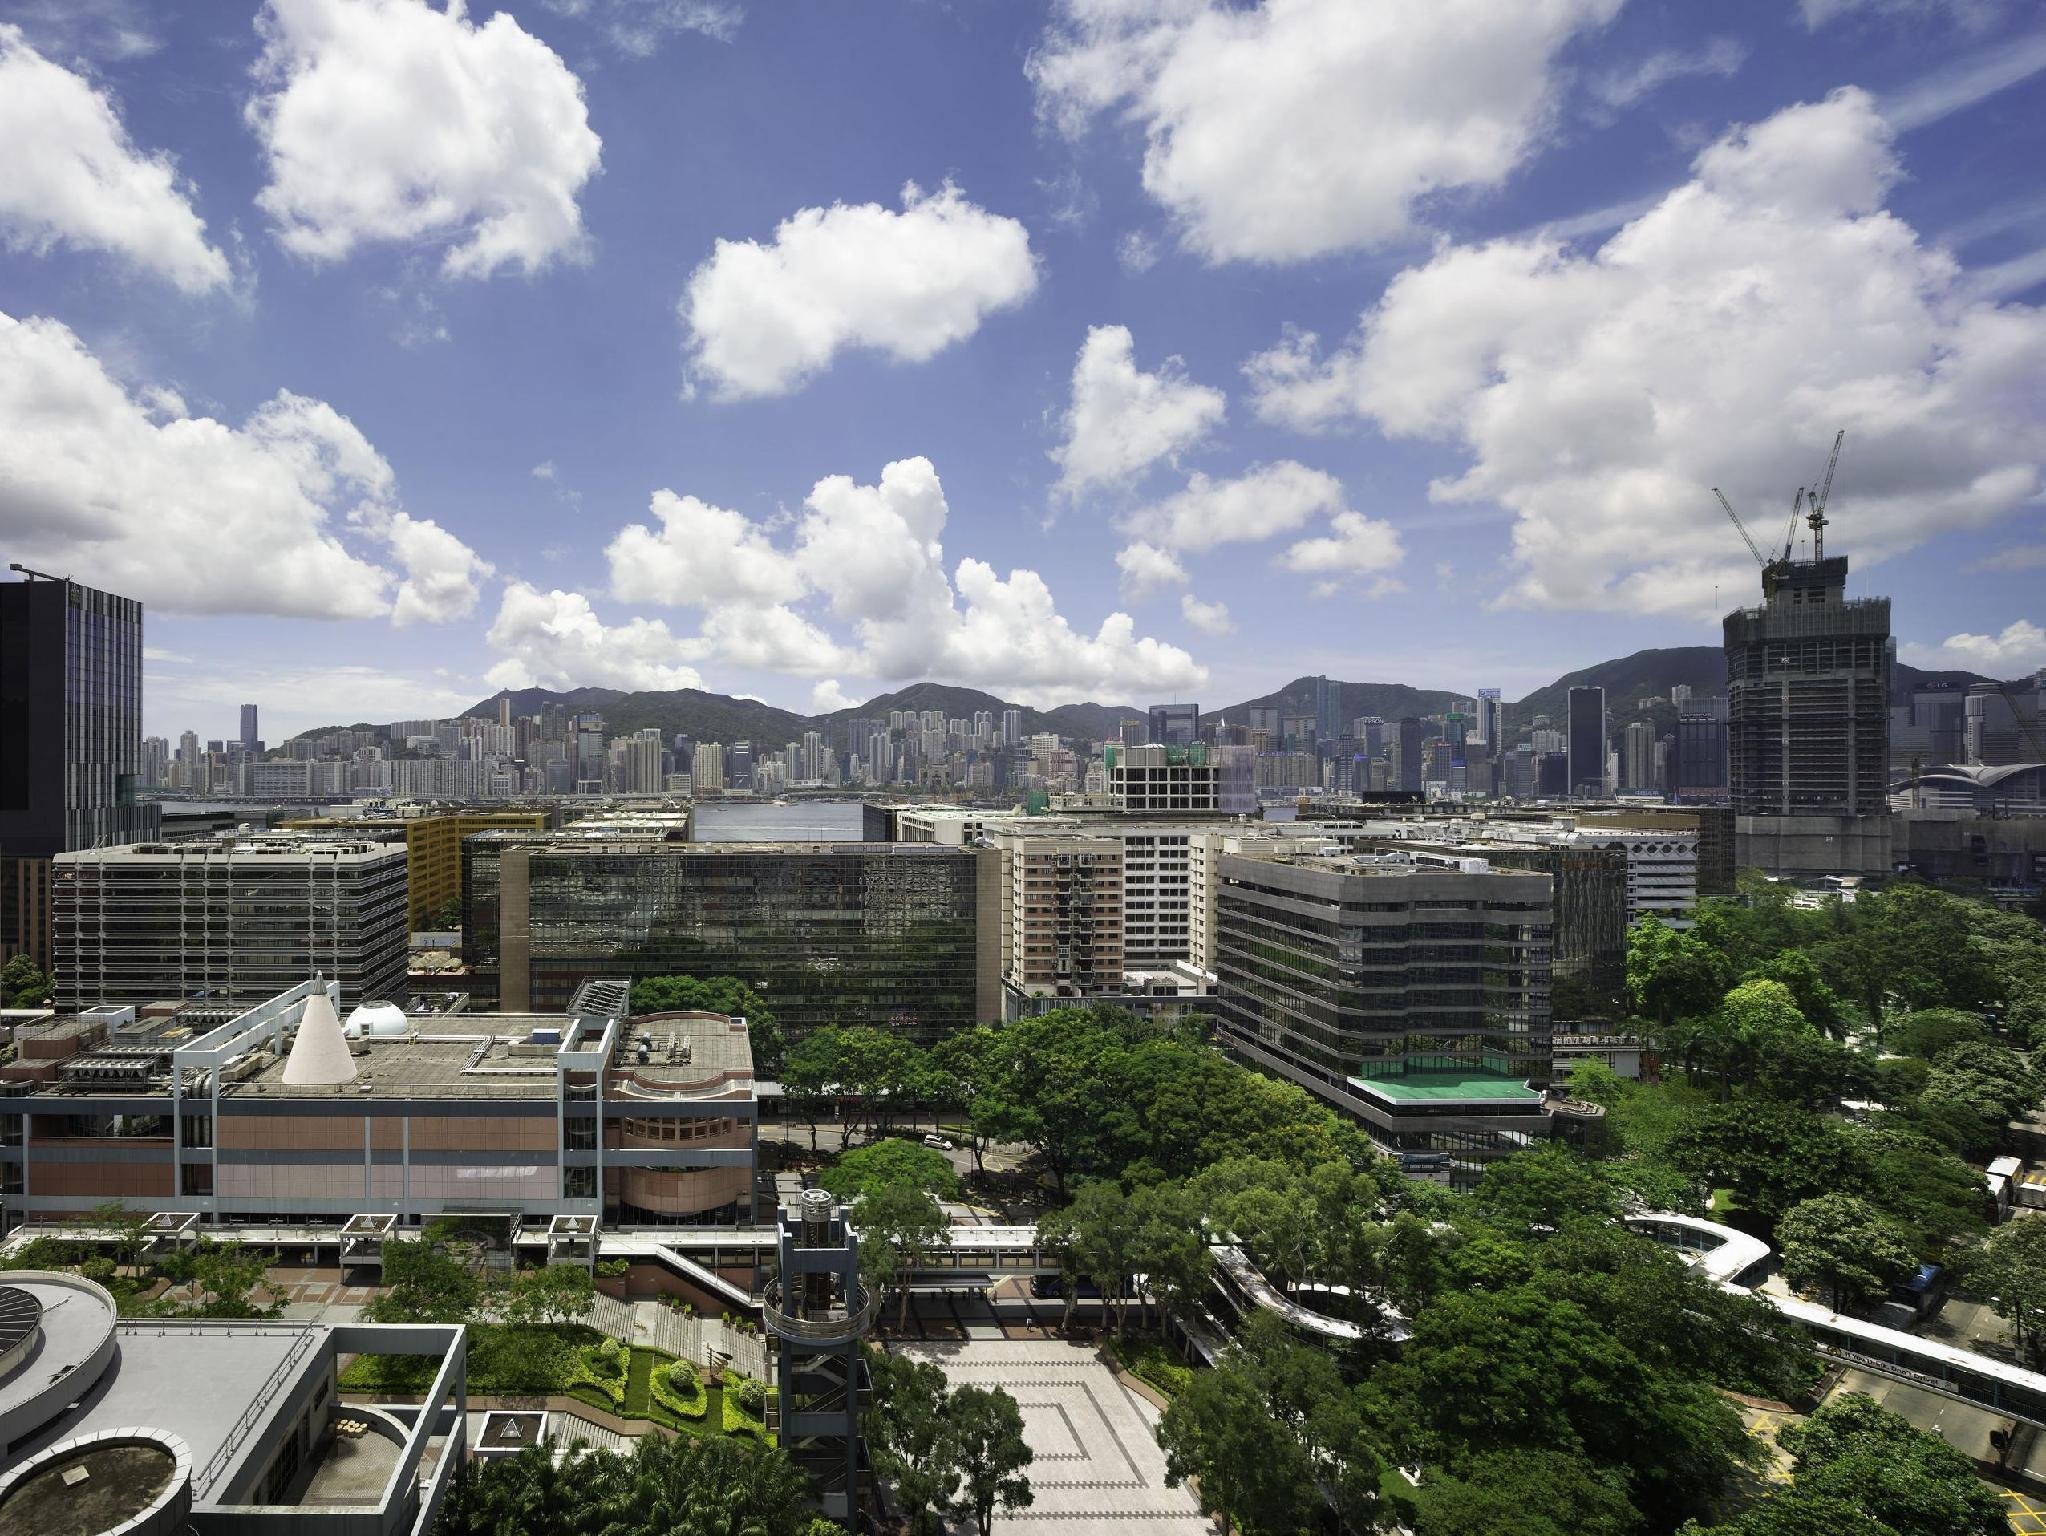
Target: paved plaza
<point x="1098" y="1465"/>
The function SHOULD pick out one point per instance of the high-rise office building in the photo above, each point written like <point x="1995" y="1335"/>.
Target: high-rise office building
<point x="1328" y="709"/>
<point x="71" y="697"/>
<point x="590" y="758"/>
<point x="1701" y="750"/>
<point x="1012" y="727"/>
<point x="1808" y="698"/>
<point x="1175" y="725"/>
<point x="1586" y="742"/>
<point x="1411" y="994"/>
<point x="230" y="921"/>
<point x="1637" y="757"/>
<point x="1491" y="719"/>
<point x="901" y="937"/>
<point x="251" y="737"/>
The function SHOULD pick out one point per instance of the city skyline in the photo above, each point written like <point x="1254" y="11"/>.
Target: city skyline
<point x="731" y="406"/>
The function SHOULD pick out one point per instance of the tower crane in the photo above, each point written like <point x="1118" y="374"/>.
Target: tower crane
<point x="1790" y="531"/>
<point x="1741" y="527"/>
<point x="1816" y="519"/>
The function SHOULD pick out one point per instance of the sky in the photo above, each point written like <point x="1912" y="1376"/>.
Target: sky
<point x="1128" y="350"/>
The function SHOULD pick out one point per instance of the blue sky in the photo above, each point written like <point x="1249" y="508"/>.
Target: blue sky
<point x="1119" y="349"/>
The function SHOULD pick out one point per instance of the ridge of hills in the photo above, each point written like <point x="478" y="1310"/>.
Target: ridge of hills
<point x="720" y="717"/>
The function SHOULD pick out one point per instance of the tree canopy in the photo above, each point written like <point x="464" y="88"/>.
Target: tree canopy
<point x="717" y="994"/>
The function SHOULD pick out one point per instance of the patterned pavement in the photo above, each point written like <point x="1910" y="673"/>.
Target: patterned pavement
<point x="1098" y="1465"/>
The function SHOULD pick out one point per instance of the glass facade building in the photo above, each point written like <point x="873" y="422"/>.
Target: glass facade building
<point x="1413" y="995"/>
<point x="897" y="936"/>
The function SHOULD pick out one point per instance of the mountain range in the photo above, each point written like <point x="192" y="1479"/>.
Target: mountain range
<point x="720" y="717"/>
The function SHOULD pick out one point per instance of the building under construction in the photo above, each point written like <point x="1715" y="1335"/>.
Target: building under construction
<point x="1808" y="691"/>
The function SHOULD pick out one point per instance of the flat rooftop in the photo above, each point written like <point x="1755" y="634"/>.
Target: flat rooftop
<point x="1460" y="1085"/>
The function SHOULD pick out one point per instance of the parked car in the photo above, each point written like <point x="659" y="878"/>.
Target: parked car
<point x="940" y="1143"/>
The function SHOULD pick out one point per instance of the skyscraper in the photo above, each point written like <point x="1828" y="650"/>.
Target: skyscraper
<point x="1491" y="718"/>
<point x="1808" y="696"/>
<point x="251" y="737"/>
<point x="1701" y="750"/>
<point x="71" y="694"/>
<point x="1328" y="710"/>
<point x="1175" y="725"/>
<point x="1587" y="743"/>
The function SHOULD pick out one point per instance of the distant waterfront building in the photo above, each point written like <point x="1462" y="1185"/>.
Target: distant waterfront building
<point x="1586" y="743"/>
<point x="1491" y="719"/>
<point x="1328" y="709"/>
<point x="251" y="737"/>
<point x="707" y="768"/>
<point x="1410" y="993"/>
<point x="898" y="937"/>
<point x="71" y="700"/>
<point x="1808" y="685"/>
<point x="1637" y="757"/>
<point x="230" y="920"/>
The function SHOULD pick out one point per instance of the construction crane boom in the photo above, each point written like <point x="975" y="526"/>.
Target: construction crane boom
<point x="1817" y="518"/>
<point x="1742" y="527"/>
<point x="1790" y="531"/>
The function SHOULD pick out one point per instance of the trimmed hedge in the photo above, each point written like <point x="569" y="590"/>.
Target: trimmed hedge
<point x="739" y="1392"/>
<point x="1153" y="1364"/>
<point x="678" y="1387"/>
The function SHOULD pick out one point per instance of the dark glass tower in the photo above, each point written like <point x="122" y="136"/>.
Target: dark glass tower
<point x="71" y="697"/>
<point x="1587" y="742"/>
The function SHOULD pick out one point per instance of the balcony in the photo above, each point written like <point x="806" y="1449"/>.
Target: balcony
<point x="837" y="1326"/>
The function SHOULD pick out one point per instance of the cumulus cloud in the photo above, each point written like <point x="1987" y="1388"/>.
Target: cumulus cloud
<point x="554" y="639"/>
<point x="387" y="120"/>
<point x="1208" y="618"/>
<point x="1354" y="545"/>
<point x="1264" y="500"/>
<point x="192" y="515"/>
<point x="1121" y="420"/>
<point x="2018" y="651"/>
<point x="869" y="560"/>
<point x="71" y="176"/>
<point x="764" y="319"/>
<point x="1719" y="338"/>
<point x="1299" y="127"/>
<point x="827" y="698"/>
<point x="1145" y="568"/>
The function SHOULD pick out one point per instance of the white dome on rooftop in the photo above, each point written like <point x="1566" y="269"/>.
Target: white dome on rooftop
<point x="378" y="1019"/>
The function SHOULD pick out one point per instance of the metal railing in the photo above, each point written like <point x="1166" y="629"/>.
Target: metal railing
<point x="216" y="1465"/>
<point x="839" y="1327"/>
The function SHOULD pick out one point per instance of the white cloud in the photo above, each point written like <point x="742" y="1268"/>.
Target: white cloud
<point x="443" y="576"/>
<point x="827" y="698"/>
<point x="168" y="658"/>
<point x="1146" y="567"/>
<point x="869" y="558"/>
<point x="1137" y="252"/>
<point x="115" y="30"/>
<point x="554" y="639"/>
<point x="70" y="175"/>
<point x="1616" y="88"/>
<point x="1122" y="421"/>
<point x="2019" y="651"/>
<point x="1956" y="86"/>
<point x="195" y="516"/>
<point x="699" y="554"/>
<point x="1969" y="13"/>
<point x="1208" y="618"/>
<point x="763" y="319"/>
<point x="1300" y="127"/>
<point x="1264" y="500"/>
<point x="1355" y="544"/>
<point x="1718" y="339"/>
<point x="637" y="28"/>
<point x="387" y="120"/>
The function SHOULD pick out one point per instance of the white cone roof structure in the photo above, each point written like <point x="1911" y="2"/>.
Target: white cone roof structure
<point x="319" y="1056"/>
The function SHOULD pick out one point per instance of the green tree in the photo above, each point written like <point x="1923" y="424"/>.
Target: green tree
<point x="1169" y="1247"/>
<point x="1247" y="1466"/>
<point x="424" y="1283"/>
<point x="1817" y="1002"/>
<point x="891" y="1163"/>
<point x="1671" y="974"/>
<point x="717" y="994"/>
<point x="909" y="1435"/>
<point x="1932" y="1030"/>
<point x="1544" y="1189"/>
<point x="22" y="985"/>
<point x="1844" y="1244"/>
<point x="1853" y="1451"/>
<point x="1521" y="1492"/>
<point x="2010" y="1269"/>
<point x="552" y="1293"/>
<point x="1769" y="1155"/>
<point x="990" y="1453"/>
<point x="897" y="1225"/>
<point x="1101" y="1228"/>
